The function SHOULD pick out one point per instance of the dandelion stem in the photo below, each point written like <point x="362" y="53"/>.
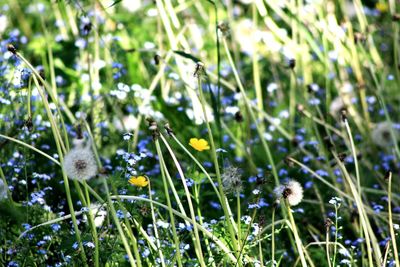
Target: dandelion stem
<point x="210" y="235"/>
<point x="273" y="236"/>
<point x="93" y="226"/>
<point x="57" y="139"/>
<point x="156" y="235"/>
<point x="299" y="244"/>
<point x="188" y="197"/>
<point x="171" y="215"/>
<point x="118" y="224"/>
<point x="217" y="170"/>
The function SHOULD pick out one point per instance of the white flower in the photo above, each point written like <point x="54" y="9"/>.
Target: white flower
<point x="3" y="190"/>
<point x="3" y="23"/>
<point x="129" y="122"/>
<point x="335" y="201"/>
<point x="344" y="252"/>
<point x="336" y="106"/>
<point x="99" y="214"/>
<point x="292" y="191"/>
<point x="381" y="134"/>
<point x="132" y="5"/>
<point x="79" y="162"/>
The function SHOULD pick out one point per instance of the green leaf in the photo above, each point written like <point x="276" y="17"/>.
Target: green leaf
<point x="188" y="56"/>
<point x="115" y="2"/>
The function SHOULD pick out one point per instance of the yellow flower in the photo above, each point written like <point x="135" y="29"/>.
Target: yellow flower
<point x="141" y="181"/>
<point x="199" y="144"/>
<point x="382" y="7"/>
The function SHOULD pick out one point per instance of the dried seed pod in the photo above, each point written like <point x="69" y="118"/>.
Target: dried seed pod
<point x="387" y="175"/>
<point x="341" y="156"/>
<point x="288" y="161"/>
<point x="157" y="59"/>
<point x="224" y="28"/>
<point x="343" y="115"/>
<point x="292" y="63"/>
<point x="168" y="129"/>
<point x="41" y="74"/>
<point x="238" y="116"/>
<point x="328" y="223"/>
<point x="199" y="69"/>
<point x="28" y="123"/>
<point x="11" y="48"/>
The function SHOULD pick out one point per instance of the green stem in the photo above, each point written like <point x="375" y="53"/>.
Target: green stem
<point x="297" y="238"/>
<point x="217" y="170"/>
<point x="118" y="224"/>
<point x="171" y="215"/>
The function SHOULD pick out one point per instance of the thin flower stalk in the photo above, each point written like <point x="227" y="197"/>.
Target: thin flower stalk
<point x="110" y="203"/>
<point x="156" y="235"/>
<point x="187" y="193"/>
<point x="368" y="232"/>
<point x="171" y="215"/>
<point x="253" y="117"/>
<point x="57" y="139"/>
<point x="207" y="176"/>
<point x="224" y="201"/>
<point x="209" y="234"/>
<point x="299" y="244"/>
<point x="354" y="152"/>
<point x="118" y="225"/>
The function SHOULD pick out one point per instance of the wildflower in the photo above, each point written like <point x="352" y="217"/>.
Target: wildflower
<point x="335" y="201"/>
<point x="141" y="181"/>
<point x="199" y="144"/>
<point x="291" y="191"/>
<point x="3" y="23"/>
<point x="3" y="190"/>
<point x="99" y="214"/>
<point x="80" y="163"/>
<point x="382" y="7"/>
<point x="231" y="179"/>
<point x="381" y="134"/>
<point x="127" y="123"/>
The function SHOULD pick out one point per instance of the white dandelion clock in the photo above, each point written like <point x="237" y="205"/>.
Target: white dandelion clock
<point x="292" y="191"/>
<point x="3" y="190"/>
<point x="337" y="105"/>
<point x="79" y="163"/>
<point x="382" y="136"/>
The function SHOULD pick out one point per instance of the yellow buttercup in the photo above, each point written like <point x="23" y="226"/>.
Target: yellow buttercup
<point x="141" y="181"/>
<point x="199" y="144"/>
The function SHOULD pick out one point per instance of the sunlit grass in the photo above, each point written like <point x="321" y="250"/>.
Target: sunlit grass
<point x="199" y="133"/>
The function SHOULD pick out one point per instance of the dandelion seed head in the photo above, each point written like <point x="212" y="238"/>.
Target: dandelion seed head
<point x="381" y="134"/>
<point x="80" y="163"/>
<point x="336" y="106"/>
<point x="292" y="191"/>
<point x="231" y="179"/>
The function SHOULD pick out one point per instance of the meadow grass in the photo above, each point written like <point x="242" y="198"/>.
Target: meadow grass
<point x="199" y="133"/>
